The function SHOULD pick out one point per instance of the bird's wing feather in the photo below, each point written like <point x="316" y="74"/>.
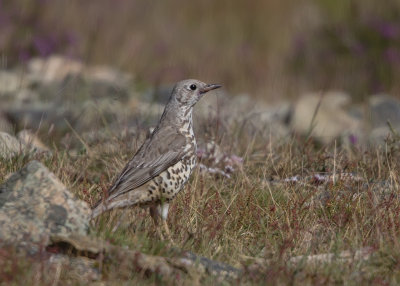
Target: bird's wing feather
<point x="163" y="149"/>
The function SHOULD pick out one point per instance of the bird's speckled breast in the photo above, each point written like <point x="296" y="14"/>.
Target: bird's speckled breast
<point x="170" y="182"/>
<point x="175" y="177"/>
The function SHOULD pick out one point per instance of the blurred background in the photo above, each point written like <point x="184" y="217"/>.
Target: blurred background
<point x="268" y="49"/>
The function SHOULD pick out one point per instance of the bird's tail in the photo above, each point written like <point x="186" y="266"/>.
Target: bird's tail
<point x="98" y="209"/>
<point x="137" y="197"/>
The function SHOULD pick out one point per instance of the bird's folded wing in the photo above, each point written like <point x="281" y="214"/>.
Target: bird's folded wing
<point x="165" y="148"/>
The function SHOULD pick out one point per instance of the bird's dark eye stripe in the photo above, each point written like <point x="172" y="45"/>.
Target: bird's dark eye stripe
<point x="193" y="87"/>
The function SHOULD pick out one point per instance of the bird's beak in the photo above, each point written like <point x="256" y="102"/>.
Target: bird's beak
<point x="209" y="87"/>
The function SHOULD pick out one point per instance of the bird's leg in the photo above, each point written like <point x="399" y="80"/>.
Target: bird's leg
<point x="166" y="229"/>
<point x="157" y="212"/>
<point x="163" y="211"/>
<point x="154" y="213"/>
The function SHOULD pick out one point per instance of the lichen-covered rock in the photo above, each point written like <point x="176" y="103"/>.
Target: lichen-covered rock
<point x="177" y="263"/>
<point x="206" y="265"/>
<point x="34" y="204"/>
<point x="74" y="269"/>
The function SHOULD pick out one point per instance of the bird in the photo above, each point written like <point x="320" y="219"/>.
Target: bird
<point x="163" y="164"/>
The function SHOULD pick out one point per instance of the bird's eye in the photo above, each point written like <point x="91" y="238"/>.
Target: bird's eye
<point x="193" y="87"/>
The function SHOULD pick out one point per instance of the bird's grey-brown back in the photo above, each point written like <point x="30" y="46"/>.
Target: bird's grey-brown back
<point x="163" y="164"/>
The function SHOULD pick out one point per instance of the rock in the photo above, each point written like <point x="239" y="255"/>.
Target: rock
<point x="383" y="109"/>
<point x="326" y="258"/>
<point x="40" y="115"/>
<point x="205" y="265"/>
<point x="261" y="265"/>
<point x="81" y="245"/>
<point x="25" y="96"/>
<point x="27" y="145"/>
<point x="10" y="83"/>
<point x="66" y="79"/>
<point x="10" y="146"/>
<point x="152" y="111"/>
<point x="241" y="111"/>
<point x="324" y="116"/>
<point x="53" y="69"/>
<point x="215" y="161"/>
<point x="80" y="269"/>
<point x="34" y="204"/>
<point x="159" y="94"/>
<point x="107" y="82"/>
<point x="135" y="261"/>
<point x="5" y="124"/>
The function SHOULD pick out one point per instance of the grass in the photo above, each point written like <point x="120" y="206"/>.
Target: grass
<point x="247" y="217"/>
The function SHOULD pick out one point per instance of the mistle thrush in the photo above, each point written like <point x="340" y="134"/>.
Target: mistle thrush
<point x="163" y="164"/>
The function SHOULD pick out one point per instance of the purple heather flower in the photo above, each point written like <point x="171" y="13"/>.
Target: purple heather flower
<point x="353" y="139"/>
<point x="392" y="55"/>
<point x="44" y="45"/>
<point x="389" y="30"/>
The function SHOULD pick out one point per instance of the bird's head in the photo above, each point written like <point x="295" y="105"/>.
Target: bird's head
<point x="188" y="92"/>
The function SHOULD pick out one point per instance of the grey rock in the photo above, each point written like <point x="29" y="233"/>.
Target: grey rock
<point x="178" y="261"/>
<point x="82" y="116"/>
<point x="211" y="267"/>
<point x="383" y="110"/>
<point x="243" y="114"/>
<point x="107" y="82"/>
<point x="27" y="144"/>
<point x="10" y="146"/>
<point x="40" y="115"/>
<point x="5" y="124"/>
<point x="34" y="204"/>
<point x="63" y="79"/>
<point x="215" y="161"/>
<point x="10" y="83"/>
<point x="52" y="69"/>
<point x="80" y="269"/>
<point x="159" y="94"/>
<point x="324" y="116"/>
